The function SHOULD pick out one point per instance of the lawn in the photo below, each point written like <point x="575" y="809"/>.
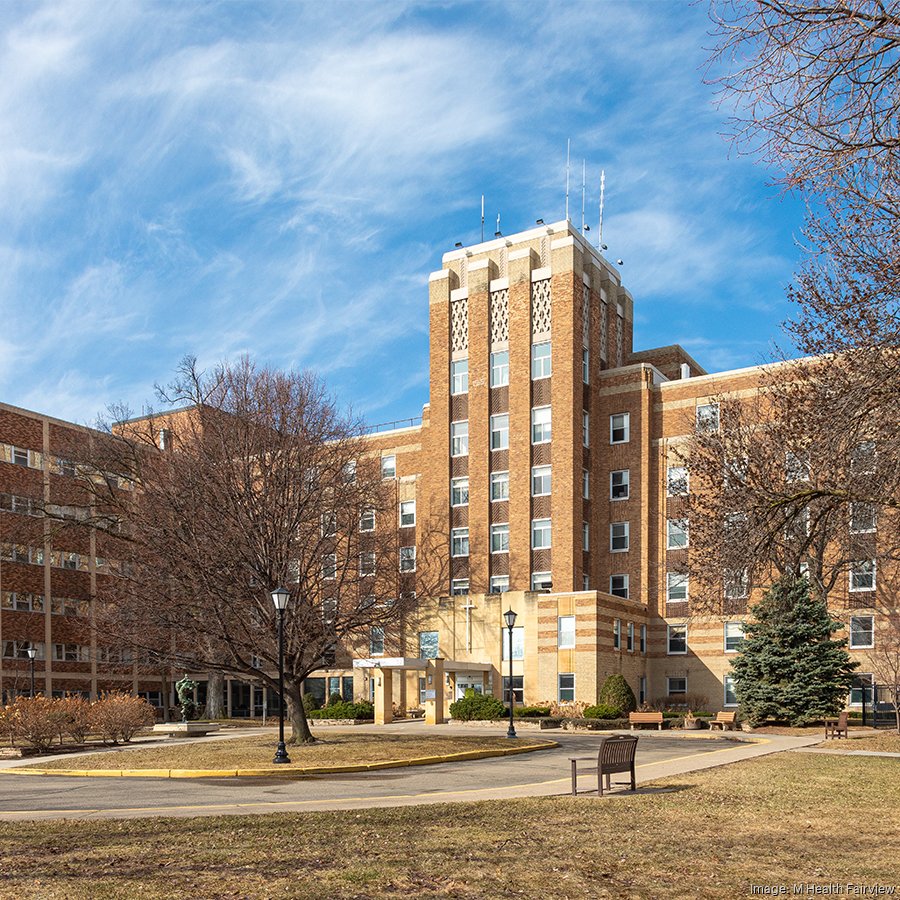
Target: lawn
<point x="888" y="742"/>
<point x="785" y="819"/>
<point x="332" y="749"/>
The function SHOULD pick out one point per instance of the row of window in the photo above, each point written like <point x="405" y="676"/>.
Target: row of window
<point x="62" y="652"/>
<point x="541" y="485"/>
<point x="541" y="367"/>
<point x="34" y="459"/>
<point x="59" y="606"/>
<point x="406" y="518"/>
<point x="367" y="563"/>
<point x="628" y="633"/>
<point x="60" y="559"/>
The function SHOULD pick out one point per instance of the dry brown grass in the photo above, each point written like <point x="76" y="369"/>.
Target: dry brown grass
<point x="332" y="749"/>
<point x="888" y="742"/>
<point x="785" y="819"/>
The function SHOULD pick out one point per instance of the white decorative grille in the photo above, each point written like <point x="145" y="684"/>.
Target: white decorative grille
<point x="540" y="306"/>
<point x="604" y="331"/>
<point x="500" y="316"/>
<point x="620" y="336"/>
<point x="586" y="315"/>
<point x="459" y="324"/>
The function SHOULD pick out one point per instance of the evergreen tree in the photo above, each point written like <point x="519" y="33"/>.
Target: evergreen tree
<point x="790" y="667"/>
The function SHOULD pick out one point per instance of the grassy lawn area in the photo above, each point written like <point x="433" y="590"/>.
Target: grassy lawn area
<point x="332" y="749"/>
<point x="889" y="742"/>
<point x="782" y="819"/>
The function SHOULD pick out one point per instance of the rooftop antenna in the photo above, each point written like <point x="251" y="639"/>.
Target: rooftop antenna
<point x="482" y="218"/>
<point x="600" y="225"/>
<point x="583" y="229"/>
<point x="568" y="148"/>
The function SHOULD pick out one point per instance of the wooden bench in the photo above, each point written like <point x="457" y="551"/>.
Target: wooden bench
<point x="646" y="718"/>
<point x="616" y="754"/>
<point x="727" y="721"/>
<point x="836" y="728"/>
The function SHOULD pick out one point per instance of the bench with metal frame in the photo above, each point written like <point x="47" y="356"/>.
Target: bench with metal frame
<point x="616" y="754"/>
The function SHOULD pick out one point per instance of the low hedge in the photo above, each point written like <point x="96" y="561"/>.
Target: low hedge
<point x="477" y="707"/>
<point x="603" y="711"/>
<point x="344" y="710"/>
<point x="531" y="712"/>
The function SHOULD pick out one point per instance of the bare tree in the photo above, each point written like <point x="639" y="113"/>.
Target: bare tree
<point x="261" y="481"/>
<point x="884" y="657"/>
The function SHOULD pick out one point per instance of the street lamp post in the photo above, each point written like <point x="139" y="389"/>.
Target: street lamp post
<point x="32" y="653"/>
<point x="510" y="617"/>
<point x="280" y="598"/>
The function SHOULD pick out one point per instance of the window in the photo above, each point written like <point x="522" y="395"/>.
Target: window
<point x="676" y="587"/>
<point x="540" y="534"/>
<point x="585" y="366"/>
<point x="617" y="634"/>
<point x="500" y="538"/>
<point x="20" y="456"/>
<point x="518" y="690"/>
<point x="735" y="471"/>
<point x="734" y="636"/>
<point x="500" y="368"/>
<point x="730" y="691"/>
<point x="459" y="542"/>
<point x="367" y="563"/>
<point x="862" y="689"/>
<point x="541" y="581"/>
<point x="585" y="484"/>
<point x="541" y="425"/>
<point x="585" y="537"/>
<point x="862" y="631"/>
<point x="642" y="691"/>
<point x="518" y="642"/>
<point x="676" y="481"/>
<point x="459" y="587"/>
<point x="643" y="638"/>
<point x="675" y="686"/>
<point x="329" y="565"/>
<point x="459" y="376"/>
<point x="70" y="653"/>
<point x="376" y="641"/>
<point x="676" y="534"/>
<point x="862" y="459"/>
<point x="585" y="582"/>
<point x="459" y="438"/>
<point x="677" y="642"/>
<point x="500" y="432"/>
<point x="407" y="513"/>
<point x="707" y="418"/>
<point x="736" y="584"/>
<point x="618" y="586"/>
<point x="459" y="491"/>
<point x="566" y="687"/>
<point x="619" y="484"/>
<point x="349" y="472"/>
<point x="19" y="649"/>
<point x="428" y="644"/>
<point x="620" y="428"/>
<point x="388" y="466"/>
<point x="540" y="481"/>
<point x="862" y="518"/>
<point x="585" y="428"/>
<point x="862" y="576"/>
<point x="540" y="360"/>
<point x="629" y="637"/>
<point x="499" y="486"/>
<point x="367" y="520"/>
<point x="407" y="559"/>
<point x="499" y="584"/>
<point x="565" y="632"/>
<point x="796" y="466"/>
<point x="618" y="537"/>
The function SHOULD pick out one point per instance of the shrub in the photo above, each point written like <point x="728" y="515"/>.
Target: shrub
<point x="344" y="710"/>
<point x="334" y="699"/>
<point x="531" y="712"/>
<point x="118" y="716"/>
<point x="602" y="711"/>
<point x="617" y="692"/>
<point x="32" y="720"/>
<point x="75" y="718"/>
<point x="477" y="707"/>
<point x="310" y="702"/>
<point x="568" y="709"/>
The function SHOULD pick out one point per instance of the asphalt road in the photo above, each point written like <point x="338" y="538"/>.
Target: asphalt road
<point x="532" y="774"/>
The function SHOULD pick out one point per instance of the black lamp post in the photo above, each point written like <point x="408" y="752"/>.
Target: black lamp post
<point x="280" y="598"/>
<point x="32" y="653"/>
<point x="510" y="617"/>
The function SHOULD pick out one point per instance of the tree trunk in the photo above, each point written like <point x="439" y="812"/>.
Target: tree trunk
<point x="296" y="714"/>
<point x="215" y="707"/>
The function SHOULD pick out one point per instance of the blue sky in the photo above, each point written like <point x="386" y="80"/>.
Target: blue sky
<point x="280" y="178"/>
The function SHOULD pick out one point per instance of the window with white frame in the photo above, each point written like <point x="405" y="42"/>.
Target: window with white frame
<point x="541" y="425"/>
<point x="676" y="686"/>
<point x="407" y="513"/>
<point x="566" y="687"/>
<point x="459" y="587"/>
<point x="565" y="632"/>
<point x="518" y="690"/>
<point x="428" y="645"/>
<point x="863" y="458"/>
<point x="643" y="638"/>
<point x="367" y="563"/>
<point x="540" y="534"/>
<point x="618" y="586"/>
<point x="500" y="431"/>
<point x="367" y="519"/>
<point x="862" y="631"/>
<point x="676" y="644"/>
<point x="617" y="634"/>
<point x="407" y="559"/>
<point x="619" y="484"/>
<point x="499" y="584"/>
<point x="629" y="637"/>
<point x="541" y="364"/>
<point x="500" y="368"/>
<point x="736" y="584"/>
<point x="376" y="641"/>
<point x="459" y="542"/>
<point x="620" y="428"/>
<point x="541" y="581"/>
<point x="585" y="428"/>
<point x="734" y="636"/>
<point x="388" y="466"/>
<point x="459" y="438"/>
<point x="328" y="523"/>
<point x="796" y="465"/>
<point x="349" y="472"/>
<point x="500" y="537"/>
<point x="735" y="471"/>
<point x="730" y="691"/>
<point x="619" y="537"/>
<point x="676" y="534"/>
<point x="862" y="518"/>
<point x="676" y="481"/>
<point x="676" y="587"/>
<point x="499" y="486"/>
<point x="707" y="418"/>
<point x="585" y="365"/>
<point x="540" y="481"/>
<point x="459" y="491"/>
<point x="862" y="575"/>
<point x="518" y="642"/>
<point x="329" y="565"/>
<point x="585" y="484"/>
<point x="459" y="376"/>
<point x="585" y="537"/>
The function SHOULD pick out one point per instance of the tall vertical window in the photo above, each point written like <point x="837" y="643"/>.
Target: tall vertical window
<point x="676" y="534"/>
<point x="585" y="366"/>
<point x="585" y="484"/>
<point x="862" y="518"/>
<point x="376" y="641"/>
<point x="366" y="563"/>
<point x="619" y="538"/>
<point x="617" y="634"/>
<point x="388" y="466"/>
<point x="500" y="368"/>
<point x="407" y="513"/>
<point x="566" y="687"/>
<point x="619" y="484"/>
<point x="518" y="643"/>
<point x="629" y="638"/>
<point x="677" y="640"/>
<point x="586" y="428"/>
<point x="367" y="520"/>
<point x="540" y="534"/>
<point x="620" y="428"/>
<point x="428" y="644"/>
<point x="863" y="458"/>
<point x="565" y="632"/>
<point x="459" y="376"/>
<point x="585" y="537"/>
<point x="676" y="481"/>
<point x="540" y="360"/>
<point x="407" y="559"/>
<point x="459" y="542"/>
<point x="540" y="425"/>
<point x="459" y="438"/>
<point x="643" y="638"/>
<point x="540" y="481"/>
<point x="730" y="691"/>
<point x="500" y="432"/>
<point x="734" y="636"/>
<point x="499" y="486"/>
<point x="459" y="491"/>
<point x="329" y="565"/>
<point x="862" y="631"/>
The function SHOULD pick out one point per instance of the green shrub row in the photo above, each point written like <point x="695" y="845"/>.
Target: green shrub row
<point x="477" y="707"/>
<point x="362" y="709"/>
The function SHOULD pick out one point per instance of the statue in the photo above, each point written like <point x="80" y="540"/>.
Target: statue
<point x="185" y="690"/>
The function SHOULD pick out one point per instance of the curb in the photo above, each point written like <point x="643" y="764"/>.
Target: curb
<point x="280" y="770"/>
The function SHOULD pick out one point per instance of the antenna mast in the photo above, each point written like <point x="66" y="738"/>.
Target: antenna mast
<point x="482" y="218"/>
<point x="600" y="226"/>
<point x="582" y="195"/>
<point x="568" y="148"/>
